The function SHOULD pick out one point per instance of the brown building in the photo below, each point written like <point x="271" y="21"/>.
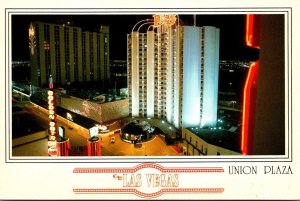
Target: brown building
<point x="68" y="53"/>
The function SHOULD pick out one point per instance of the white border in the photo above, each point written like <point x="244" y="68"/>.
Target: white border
<point x="189" y="159"/>
<point x="54" y="180"/>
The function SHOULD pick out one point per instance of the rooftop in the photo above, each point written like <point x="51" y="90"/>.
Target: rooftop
<point x="78" y="119"/>
<point x="219" y="137"/>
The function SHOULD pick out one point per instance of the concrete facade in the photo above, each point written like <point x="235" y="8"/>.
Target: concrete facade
<point x="68" y="53"/>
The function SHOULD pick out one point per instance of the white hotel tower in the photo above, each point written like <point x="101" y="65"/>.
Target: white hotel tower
<point x="173" y="71"/>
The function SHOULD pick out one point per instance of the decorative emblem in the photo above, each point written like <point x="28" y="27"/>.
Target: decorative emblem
<point x="165" y="19"/>
<point x="32" y="41"/>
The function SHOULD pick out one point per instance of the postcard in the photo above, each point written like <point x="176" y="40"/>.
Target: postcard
<point x="132" y="101"/>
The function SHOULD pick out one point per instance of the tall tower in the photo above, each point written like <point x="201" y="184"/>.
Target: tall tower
<point x="173" y="72"/>
<point x="154" y="69"/>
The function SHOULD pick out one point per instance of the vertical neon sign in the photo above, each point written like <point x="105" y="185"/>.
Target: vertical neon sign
<point x="252" y="35"/>
<point x="252" y="39"/>
<point x="249" y="108"/>
<point x="52" y="123"/>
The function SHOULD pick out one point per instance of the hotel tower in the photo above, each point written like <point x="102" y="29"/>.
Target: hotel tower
<point x="68" y="53"/>
<point x="173" y="71"/>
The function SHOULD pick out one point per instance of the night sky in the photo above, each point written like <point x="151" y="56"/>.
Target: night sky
<point x="232" y="31"/>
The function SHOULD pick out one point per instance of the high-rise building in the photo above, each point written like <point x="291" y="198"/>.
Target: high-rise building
<point x="68" y="53"/>
<point x="173" y="72"/>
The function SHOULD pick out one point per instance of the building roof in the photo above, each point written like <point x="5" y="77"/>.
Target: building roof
<point x="218" y="137"/>
<point x="78" y="119"/>
<point x="139" y="127"/>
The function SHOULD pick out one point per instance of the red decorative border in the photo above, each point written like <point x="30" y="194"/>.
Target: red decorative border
<point x="148" y="195"/>
<point x="149" y="165"/>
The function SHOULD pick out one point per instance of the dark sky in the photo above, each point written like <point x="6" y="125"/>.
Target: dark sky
<point x="232" y="28"/>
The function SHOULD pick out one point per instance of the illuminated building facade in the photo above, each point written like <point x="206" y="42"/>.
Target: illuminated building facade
<point x="68" y="53"/>
<point x="200" y="76"/>
<point x="173" y="73"/>
<point x="153" y="75"/>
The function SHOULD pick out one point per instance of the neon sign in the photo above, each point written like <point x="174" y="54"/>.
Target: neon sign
<point x="52" y="123"/>
<point x="166" y="19"/>
<point x="51" y="105"/>
<point x="252" y="30"/>
<point x="252" y="37"/>
<point x="249" y="101"/>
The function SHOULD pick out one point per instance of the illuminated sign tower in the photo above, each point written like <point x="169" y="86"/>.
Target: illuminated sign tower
<point x="173" y="71"/>
<point x="52" y="116"/>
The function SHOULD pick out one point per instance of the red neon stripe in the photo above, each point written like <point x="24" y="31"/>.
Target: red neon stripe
<point x="252" y="33"/>
<point x="249" y="30"/>
<point x="252" y="38"/>
<point x="249" y="106"/>
<point x="245" y="113"/>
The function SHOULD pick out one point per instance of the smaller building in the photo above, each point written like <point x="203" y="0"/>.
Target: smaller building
<point x="97" y="109"/>
<point x="100" y="112"/>
<point x="210" y="141"/>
